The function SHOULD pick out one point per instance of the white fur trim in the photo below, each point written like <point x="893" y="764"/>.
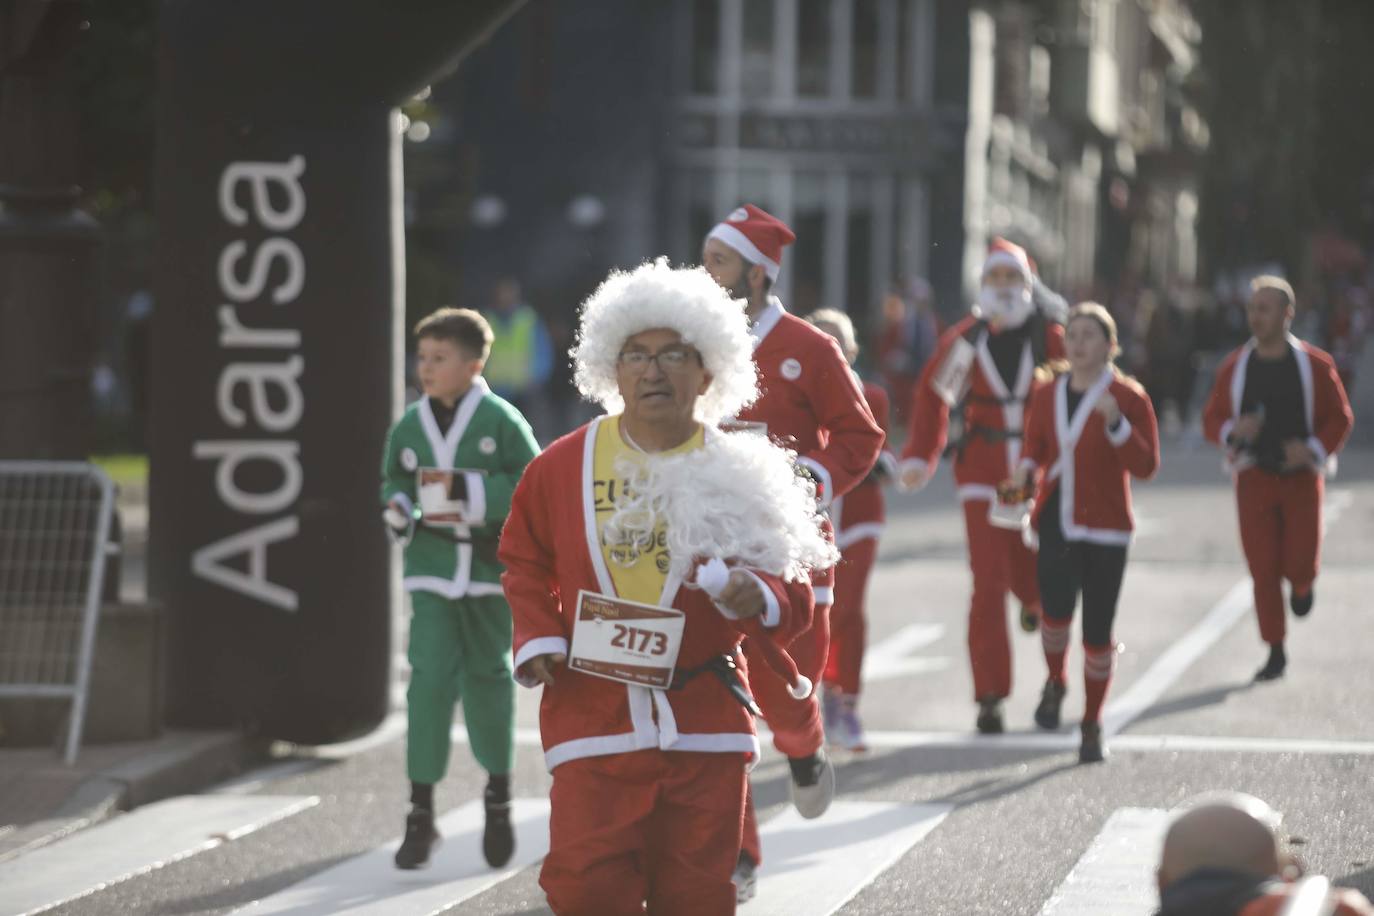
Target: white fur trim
<point x="822" y="475"/>
<point x="913" y="464"/>
<point x="766" y="320"/>
<point x="747" y="249"/>
<point x="655" y="295"/>
<point x="856" y="533"/>
<point x="543" y="645"/>
<point x="802" y="689"/>
<point x="824" y="595"/>
<point x="972" y="492"/>
<point x="1002" y="258"/>
<point x="1122" y="433"/>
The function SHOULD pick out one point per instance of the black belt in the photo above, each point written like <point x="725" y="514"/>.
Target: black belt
<point x="725" y="669"/>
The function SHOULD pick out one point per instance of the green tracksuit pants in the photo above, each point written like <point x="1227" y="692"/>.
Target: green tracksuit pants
<point x="459" y="649"/>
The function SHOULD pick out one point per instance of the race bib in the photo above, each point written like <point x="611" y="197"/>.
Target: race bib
<point x="951" y="378"/>
<point x="625" y="641"/>
<point x="443" y="496"/>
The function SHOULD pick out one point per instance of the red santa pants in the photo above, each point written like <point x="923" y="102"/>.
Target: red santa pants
<point x="655" y="827"/>
<point x="848" y="616"/>
<point x="1281" y="533"/>
<point x="1000" y="562"/>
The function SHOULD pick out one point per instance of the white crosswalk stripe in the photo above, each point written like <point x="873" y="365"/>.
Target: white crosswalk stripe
<point x="134" y="844"/>
<point x="814" y="867"/>
<point x="371" y="885"/>
<point x="1116" y="876"/>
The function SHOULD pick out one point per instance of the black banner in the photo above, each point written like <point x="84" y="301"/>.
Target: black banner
<point x="275" y="350"/>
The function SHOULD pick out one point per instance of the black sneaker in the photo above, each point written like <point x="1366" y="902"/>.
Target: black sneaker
<point x="1301" y="604"/>
<point x="421" y="839"/>
<point x="1091" y="749"/>
<point x="990" y="716"/>
<point x="1273" y="669"/>
<point x="746" y="879"/>
<point x="1051" y="699"/>
<point x="498" y="839"/>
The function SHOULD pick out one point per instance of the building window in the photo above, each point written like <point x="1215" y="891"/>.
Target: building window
<point x="813" y="47"/>
<point x="864" y="69"/>
<point x="701" y="211"/>
<point x="858" y="256"/>
<point x="705" y="47"/>
<point x="808" y="252"/>
<point x="757" y="66"/>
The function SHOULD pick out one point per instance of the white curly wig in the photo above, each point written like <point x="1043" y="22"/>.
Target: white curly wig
<point x="655" y="295"/>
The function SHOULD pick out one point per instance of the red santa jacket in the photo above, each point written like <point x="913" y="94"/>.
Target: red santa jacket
<point x="551" y="549"/>
<point x="1094" y="483"/>
<point x="861" y="511"/>
<point x="984" y="462"/>
<point x="1329" y="417"/>
<point x="811" y="402"/>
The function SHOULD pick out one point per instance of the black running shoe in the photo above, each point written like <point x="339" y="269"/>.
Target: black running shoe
<point x="1301" y="604"/>
<point x="421" y="839"/>
<point x="1051" y="699"/>
<point x="1092" y="749"/>
<point x="746" y="879"/>
<point x="990" y="716"/>
<point x="1273" y="669"/>
<point x="498" y="838"/>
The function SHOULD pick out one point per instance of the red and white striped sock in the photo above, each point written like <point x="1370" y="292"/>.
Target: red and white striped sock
<point x="1098" y="665"/>
<point x="1054" y="639"/>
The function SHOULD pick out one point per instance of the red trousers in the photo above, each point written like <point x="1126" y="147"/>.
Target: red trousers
<point x="1281" y="533"/>
<point x="1000" y="562"/>
<point x="849" y="616"/>
<point x="655" y="827"/>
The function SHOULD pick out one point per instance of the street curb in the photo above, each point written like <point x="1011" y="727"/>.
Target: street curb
<point x="192" y="761"/>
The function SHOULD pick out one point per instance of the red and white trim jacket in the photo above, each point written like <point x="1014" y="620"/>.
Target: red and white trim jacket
<point x="862" y="512"/>
<point x="1095" y="481"/>
<point x="1329" y="417"/>
<point x="551" y="549"/>
<point x="984" y="463"/>
<point x="811" y="401"/>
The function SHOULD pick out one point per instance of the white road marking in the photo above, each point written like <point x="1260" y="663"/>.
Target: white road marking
<point x="1064" y="741"/>
<point x="1179" y="657"/>
<point x="891" y="658"/>
<point x="371" y="883"/>
<point x="1116" y="876"/>
<point x="816" y="866"/>
<point x="136" y="843"/>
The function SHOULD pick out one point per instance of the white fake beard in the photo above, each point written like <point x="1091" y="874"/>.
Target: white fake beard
<point x="737" y="498"/>
<point x="1007" y="308"/>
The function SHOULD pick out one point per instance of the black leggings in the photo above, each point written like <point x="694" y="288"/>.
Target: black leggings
<point x="1069" y="567"/>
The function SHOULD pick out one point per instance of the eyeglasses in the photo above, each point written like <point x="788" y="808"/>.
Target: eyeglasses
<point x="669" y="359"/>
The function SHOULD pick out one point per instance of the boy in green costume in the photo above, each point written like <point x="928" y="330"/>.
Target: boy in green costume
<point x="450" y="467"/>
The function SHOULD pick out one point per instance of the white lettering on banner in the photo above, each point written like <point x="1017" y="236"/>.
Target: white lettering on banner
<point x="206" y="562"/>
<point x="270" y="272"/>
<point x="257" y="377"/>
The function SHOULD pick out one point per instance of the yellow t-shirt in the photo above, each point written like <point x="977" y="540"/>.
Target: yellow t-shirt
<point x="638" y="574"/>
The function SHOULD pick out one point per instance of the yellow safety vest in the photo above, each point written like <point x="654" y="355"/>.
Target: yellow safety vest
<point x="512" y="352"/>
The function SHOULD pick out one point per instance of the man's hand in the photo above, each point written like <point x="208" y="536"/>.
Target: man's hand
<point x="541" y="666"/>
<point x="742" y="595"/>
<point x="913" y="477"/>
<point x="1108" y="408"/>
<point x="1296" y="455"/>
<point x="1019" y="479"/>
<point x="395" y="517"/>
<point x="1247" y="427"/>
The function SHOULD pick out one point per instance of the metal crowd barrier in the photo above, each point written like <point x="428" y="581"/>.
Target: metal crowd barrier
<point x="54" y="527"/>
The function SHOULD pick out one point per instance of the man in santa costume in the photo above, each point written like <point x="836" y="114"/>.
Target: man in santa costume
<point x="809" y="402"/>
<point x="1279" y="410"/>
<point x="654" y="513"/>
<point x="978" y="381"/>
<point x="859" y="517"/>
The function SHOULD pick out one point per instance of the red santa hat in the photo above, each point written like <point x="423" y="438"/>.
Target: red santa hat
<point x="1004" y="253"/>
<point x="757" y="235"/>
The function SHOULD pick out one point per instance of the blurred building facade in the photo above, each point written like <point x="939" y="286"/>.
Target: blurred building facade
<point x="895" y="136"/>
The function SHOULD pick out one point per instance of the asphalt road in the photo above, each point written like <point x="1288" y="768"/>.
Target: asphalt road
<point x="1016" y="814"/>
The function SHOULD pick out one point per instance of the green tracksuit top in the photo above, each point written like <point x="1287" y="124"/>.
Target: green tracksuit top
<point x="490" y="443"/>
